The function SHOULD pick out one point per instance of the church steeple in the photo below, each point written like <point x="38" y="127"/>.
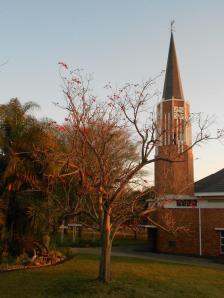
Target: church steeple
<point x="172" y="86"/>
<point x="174" y="135"/>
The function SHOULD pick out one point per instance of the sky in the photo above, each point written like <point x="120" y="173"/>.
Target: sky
<point x="118" y="41"/>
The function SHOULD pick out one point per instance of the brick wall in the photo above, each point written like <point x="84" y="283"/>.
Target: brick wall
<point x="211" y="219"/>
<point x="187" y="242"/>
<point x="176" y="177"/>
<point x="186" y="220"/>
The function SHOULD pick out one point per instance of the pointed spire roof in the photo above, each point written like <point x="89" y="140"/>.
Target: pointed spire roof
<point x="172" y="86"/>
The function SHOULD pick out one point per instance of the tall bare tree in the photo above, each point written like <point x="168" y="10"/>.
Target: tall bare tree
<point x="112" y="141"/>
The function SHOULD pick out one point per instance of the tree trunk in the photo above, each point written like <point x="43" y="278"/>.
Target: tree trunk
<point x="11" y="216"/>
<point x="106" y="246"/>
<point x="46" y="239"/>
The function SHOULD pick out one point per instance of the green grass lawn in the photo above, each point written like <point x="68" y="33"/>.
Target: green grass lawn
<point x="133" y="278"/>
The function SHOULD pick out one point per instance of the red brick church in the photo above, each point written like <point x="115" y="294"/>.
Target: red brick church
<point x="196" y="210"/>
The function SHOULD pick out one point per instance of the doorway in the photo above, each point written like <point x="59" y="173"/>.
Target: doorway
<point x="152" y="237"/>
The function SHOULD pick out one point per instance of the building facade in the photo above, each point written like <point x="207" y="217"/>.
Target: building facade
<point x="190" y="218"/>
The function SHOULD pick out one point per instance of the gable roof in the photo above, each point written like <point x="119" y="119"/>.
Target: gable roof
<point x="211" y="184"/>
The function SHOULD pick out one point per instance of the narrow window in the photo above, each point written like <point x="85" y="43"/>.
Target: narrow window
<point x="222" y="242"/>
<point x="174" y="138"/>
<point x="172" y="244"/>
<point x="178" y="203"/>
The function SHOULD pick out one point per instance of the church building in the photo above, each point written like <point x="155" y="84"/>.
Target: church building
<point x="190" y="219"/>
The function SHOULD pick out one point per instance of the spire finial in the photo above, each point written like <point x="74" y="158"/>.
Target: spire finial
<point x="172" y="29"/>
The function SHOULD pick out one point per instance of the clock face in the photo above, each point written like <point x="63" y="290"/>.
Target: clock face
<point x="178" y="112"/>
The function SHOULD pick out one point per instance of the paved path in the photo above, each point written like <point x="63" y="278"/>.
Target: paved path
<point x="142" y="253"/>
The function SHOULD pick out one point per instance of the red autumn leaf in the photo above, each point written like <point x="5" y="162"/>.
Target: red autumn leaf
<point x="76" y="81"/>
<point x="63" y="64"/>
<point x="61" y="128"/>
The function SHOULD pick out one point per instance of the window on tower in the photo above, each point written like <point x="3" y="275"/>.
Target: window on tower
<point x="174" y="138"/>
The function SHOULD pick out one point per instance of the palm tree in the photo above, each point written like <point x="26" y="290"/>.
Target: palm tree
<point x="19" y="134"/>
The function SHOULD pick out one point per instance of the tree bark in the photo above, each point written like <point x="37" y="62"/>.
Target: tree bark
<point x="106" y="246"/>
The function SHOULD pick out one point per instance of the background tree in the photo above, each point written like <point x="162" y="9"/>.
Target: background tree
<point x="19" y="131"/>
<point x="59" y="182"/>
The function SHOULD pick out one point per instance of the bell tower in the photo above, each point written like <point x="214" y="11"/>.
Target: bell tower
<point x="174" y="165"/>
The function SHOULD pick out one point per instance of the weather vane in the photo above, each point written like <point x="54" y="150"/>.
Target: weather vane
<point x="172" y="29"/>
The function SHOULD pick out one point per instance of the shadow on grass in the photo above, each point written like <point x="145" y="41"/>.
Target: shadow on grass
<point x="87" y="287"/>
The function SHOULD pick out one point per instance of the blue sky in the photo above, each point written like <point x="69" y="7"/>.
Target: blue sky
<point x="117" y="41"/>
